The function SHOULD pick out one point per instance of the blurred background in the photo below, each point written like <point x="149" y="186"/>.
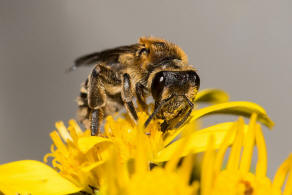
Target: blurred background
<point x="241" y="46"/>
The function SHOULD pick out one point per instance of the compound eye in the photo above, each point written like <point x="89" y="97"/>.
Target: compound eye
<point x="194" y="78"/>
<point x="157" y="86"/>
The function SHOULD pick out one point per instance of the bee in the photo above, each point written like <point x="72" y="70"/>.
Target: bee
<point x="152" y="67"/>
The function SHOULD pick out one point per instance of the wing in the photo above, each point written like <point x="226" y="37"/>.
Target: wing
<point x="109" y="56"/>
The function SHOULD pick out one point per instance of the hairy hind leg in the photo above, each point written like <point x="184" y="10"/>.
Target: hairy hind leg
<point x="96" y="100"/>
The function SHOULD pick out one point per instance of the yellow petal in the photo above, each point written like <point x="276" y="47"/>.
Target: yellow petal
<point x="33" y="177"/>
<point x="228" y="138"/>
<point x="63" y="131"/>
<point x="171" y="135"/>
<point x="143" y="149"/>
<point x="262" y="164"/>
<point x="214" y="96"/>
<point x="248" y="145"/>
<point x="288" y="186"/>
<point x="76" y="127"/>
<point x="239" y="108"/>
<point x="234" y="157"/>
<point x="174" y="159"/>
<point x="281" y="174"/>
<point x="92" y="166"/>
<point x="198" y="141"/>
<point x="86" y="143"/>
<point x="185" y="170"/>
<point x="208" y="168"/>
<point x="58" y="142"/>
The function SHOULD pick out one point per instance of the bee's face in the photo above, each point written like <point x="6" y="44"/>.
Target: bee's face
<point x="176" y="84"/>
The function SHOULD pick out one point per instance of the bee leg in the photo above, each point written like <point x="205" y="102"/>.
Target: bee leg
<point x="188" y="113"/>
<point x="164" y="126"/>
<point x="140" y="96"/>
<point x="127" y="97"/>
<point x="96" y="100"/>
<point x="162" y="103"/>
<point x="96" y="118"/>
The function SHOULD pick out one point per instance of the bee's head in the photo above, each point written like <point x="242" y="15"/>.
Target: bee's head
<point x="174" y="83"/>
<point x="167" y="68"/>
<point x="174" y="92"/>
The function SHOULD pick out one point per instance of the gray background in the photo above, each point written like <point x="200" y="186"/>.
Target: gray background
<point x="241" y="46"/>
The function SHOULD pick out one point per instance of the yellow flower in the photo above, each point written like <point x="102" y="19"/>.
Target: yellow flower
<point x="33" y="177"/>
<point x="81" y="160"/>
<point x="136" y="177"/>
<point x="237" y="178"/>
<point x="75" y="160"/>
